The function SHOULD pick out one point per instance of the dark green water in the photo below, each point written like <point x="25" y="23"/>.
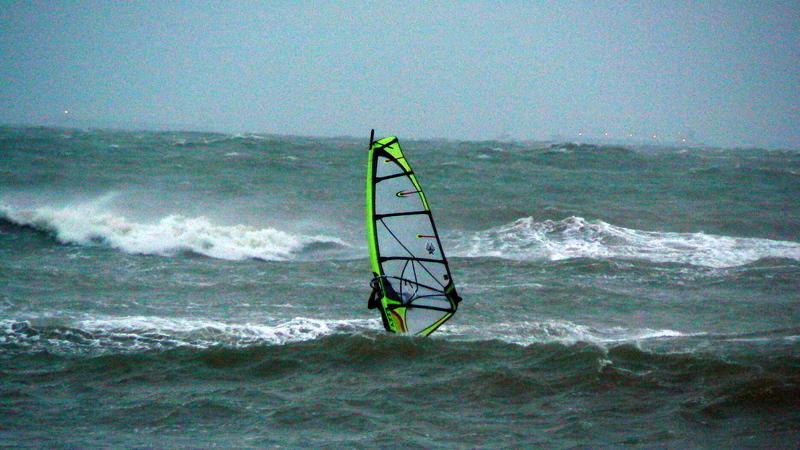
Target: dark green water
<point x="189" y="289"/>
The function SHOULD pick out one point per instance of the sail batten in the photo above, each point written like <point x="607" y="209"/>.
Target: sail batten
<point x="417" y="294"/>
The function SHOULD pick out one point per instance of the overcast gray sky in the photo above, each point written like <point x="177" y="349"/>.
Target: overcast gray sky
<point x="728" y="71"/>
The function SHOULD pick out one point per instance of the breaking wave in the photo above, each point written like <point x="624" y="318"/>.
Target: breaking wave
<point x="143" y="333"/>
<point x="575" y="237"/>
<point x="559" y="331"/>
<point x="87" y="224"/>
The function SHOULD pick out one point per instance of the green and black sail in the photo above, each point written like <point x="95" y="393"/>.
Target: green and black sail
<point x="412" y="285"/>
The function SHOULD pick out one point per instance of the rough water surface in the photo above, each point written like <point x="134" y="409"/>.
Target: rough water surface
<point x="193" y="289"/>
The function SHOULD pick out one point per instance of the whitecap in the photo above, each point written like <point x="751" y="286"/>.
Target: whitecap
<point x="93" y="224"/>
<point x="558" y="331"/>
<point x="575" y="237"/>
<point x="142" y="333"/>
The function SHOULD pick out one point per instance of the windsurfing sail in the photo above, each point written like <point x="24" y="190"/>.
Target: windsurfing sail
<point x="412" y="285"/>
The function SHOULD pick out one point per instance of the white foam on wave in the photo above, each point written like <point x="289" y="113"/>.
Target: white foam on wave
<point x="141" y="333"/>
<point x="91" y="224"/>
<point x="575" y="237"/>
<point x="558" y="331"/>
<point x="206" y="333"/>
<point x="101" y="335"/>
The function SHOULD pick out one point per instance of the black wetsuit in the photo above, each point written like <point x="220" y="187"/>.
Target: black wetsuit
<point x="374" y="298"/>
<point x="375" y="301"/>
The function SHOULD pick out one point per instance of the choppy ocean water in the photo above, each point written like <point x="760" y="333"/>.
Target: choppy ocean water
<point x="194" y="289"/>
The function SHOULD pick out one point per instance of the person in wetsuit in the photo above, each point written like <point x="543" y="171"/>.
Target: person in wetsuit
<point x="375" y="296"/>
<point x="374" y="301"/>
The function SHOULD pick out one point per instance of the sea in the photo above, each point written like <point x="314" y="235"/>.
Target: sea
<point x="186" y="289"/>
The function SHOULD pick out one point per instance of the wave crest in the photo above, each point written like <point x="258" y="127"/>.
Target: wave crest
<point x="134" y="334"/>
<point x="102" y="335"/>
<point x="173" y="234"/>
<point x="143" y="333"/>
<point x="559" y="331"/>
<point x="575" y="237"/>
